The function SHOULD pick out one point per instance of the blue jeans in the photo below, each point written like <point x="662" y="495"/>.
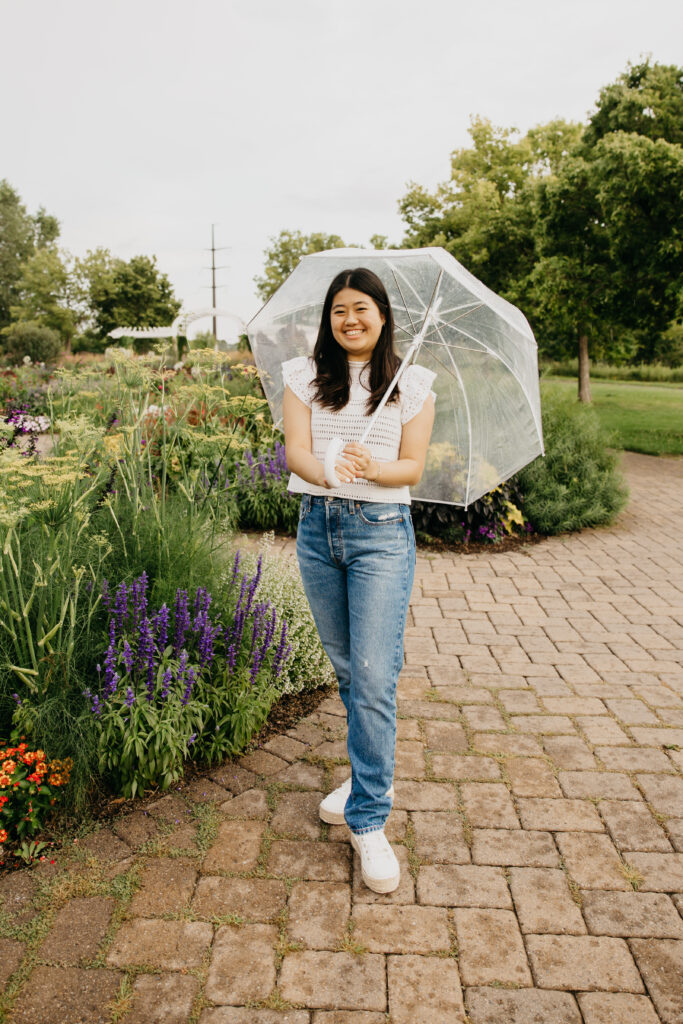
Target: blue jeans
<point x="357" y="562"/>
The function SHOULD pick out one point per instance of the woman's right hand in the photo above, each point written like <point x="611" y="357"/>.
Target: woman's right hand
<point x="344" y="469"/>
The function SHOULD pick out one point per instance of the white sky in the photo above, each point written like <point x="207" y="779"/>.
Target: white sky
<point x="138" y="123"/>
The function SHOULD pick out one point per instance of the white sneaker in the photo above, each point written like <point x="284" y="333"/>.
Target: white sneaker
<point x="378" y="864"/>
<point x="331" y="809"/>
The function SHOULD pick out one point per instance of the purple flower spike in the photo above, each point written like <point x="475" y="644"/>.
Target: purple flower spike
<point x="182" y="619"/>
<point x="166" y="683"/>
<point x="129" y="698"/>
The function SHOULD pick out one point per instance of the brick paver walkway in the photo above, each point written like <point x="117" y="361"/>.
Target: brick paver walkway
<point x="538" y="820"/>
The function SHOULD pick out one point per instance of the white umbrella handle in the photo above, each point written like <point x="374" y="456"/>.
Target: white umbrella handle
<point x="333" y="452"/>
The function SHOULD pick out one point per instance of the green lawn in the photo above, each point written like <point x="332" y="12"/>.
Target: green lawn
<point x="644" y="418"/>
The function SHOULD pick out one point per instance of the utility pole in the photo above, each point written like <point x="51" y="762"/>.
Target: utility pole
<point x="213" y="282"/>
<point x="214" y="268"/>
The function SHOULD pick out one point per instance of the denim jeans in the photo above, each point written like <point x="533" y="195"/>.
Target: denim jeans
<point x="357" y="562"/>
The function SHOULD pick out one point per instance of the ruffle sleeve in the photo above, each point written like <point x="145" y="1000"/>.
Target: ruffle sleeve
<point x="415" y="386"/>
<point x="298" y="375"/>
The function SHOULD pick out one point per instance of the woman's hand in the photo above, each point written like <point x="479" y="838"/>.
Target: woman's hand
<point x="362" y="461"/>
<point x="344" y="469"/>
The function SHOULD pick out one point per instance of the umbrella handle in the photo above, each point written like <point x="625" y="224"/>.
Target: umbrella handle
<point x="333" y="452"/>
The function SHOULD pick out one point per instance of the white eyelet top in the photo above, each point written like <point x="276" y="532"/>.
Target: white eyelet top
<point x="349" y="423"/>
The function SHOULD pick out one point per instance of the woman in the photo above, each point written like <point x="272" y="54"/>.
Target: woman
<point x="355" y="542"/>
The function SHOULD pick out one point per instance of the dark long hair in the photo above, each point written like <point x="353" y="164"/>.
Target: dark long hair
<point x="332" y="379"/>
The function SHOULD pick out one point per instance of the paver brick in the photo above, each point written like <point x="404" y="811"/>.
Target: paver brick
<point x="521" y="702"/>
<point x="319" y="862"/>
<point x="587" y="784"/>
<point x="531" y="776"/>
<point x="78" y="930"/>
<point x="11" y="955"/>
<point x="651" y="737"/>
<point x="248" y="1015"/>
<point x="424" y="990"/>
<point x="439" y="837"/>
<point x="334" y="980"/>
<point x="234" y="778"/>
<point x="661" y="965"/>
<point x="236" y="847"/>
<point x="483" y="718"/>
<point x="664" y="792"/>
<point x="308" y="776"/>
<point x="424" y="796"/>
<point x="162" y="999"/>
<point x="662" y="872"/>
<point x="616" y="1008"/>
<point x="633" y="759"/>
<point x="545" y="724"/>
<point x="165" y="945"/>
<point x="488" y="805"/>
<point x="632" y="826"/>
<point x="66" y="995"/>
<point x="347" y="1017"/>
<point x="410" y="761"/>
<point x="583" y="963"/>
<point x="286" y="747"/>
<point x="631" y="712"/>
<point x="167" y="884"/>
<point x="318" y="913"/>
<point x="506" y="744"/>
<point x="297" y="815"/>
<point x="558" y="815"/>
<point x="513" y="847"/>
<point x="464" y="766"/>
<point x="490" y="948"/>
<point x="544" y="903"/>
<point x="524" y="1006"/>
<point x="262" y="763"/>
<point x="401" y="929"/>
<point x="104" y="845"/>
<point x="254" y="899"/>
<point x="252" y="805"/>
<point x="242" y="964"/>
<point x="592" y="861"/>
<point x="632" y="914"/>
<point x="462" y="885"/>
<point x="135" y="829"/>
<point x="574" y="706"/>
<point x="569" y="752"/>
<point x="602" y="731"/>
<point x="203" y="791"/>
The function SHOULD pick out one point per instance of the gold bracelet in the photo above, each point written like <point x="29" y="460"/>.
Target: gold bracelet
<point x="379" y="472"/>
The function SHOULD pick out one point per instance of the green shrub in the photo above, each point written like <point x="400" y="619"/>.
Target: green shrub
<point x="577" y="484"/>
<point x="656" y="373"/>
<point x="40" y="344"/>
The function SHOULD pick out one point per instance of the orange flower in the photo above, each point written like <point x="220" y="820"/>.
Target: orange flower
<point x="3" y="800"/>
<point x="34" y="777"/>
<point x="8" y="767"/>
<point x="4" y="780"/>
<point x="3" y="835"/>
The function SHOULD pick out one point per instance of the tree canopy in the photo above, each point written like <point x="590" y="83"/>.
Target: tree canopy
<point x="284" y="253"/>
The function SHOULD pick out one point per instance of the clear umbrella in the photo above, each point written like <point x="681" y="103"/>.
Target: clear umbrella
<point x="488" y="411"/>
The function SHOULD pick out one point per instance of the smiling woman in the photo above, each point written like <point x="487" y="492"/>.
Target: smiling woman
<point x="355" y="541"/>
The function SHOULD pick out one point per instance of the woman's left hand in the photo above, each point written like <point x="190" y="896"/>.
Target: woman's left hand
<point x="362" y="460"/>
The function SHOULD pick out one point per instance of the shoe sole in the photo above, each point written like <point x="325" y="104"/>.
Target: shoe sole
<point x="337" y="818"/>
<point x="381" y="885"/>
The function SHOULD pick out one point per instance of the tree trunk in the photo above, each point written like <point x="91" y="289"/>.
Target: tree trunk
<point x="584" y="370"/>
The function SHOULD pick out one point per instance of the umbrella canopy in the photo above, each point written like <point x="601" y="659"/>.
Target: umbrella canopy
<point x="488" y="410"/>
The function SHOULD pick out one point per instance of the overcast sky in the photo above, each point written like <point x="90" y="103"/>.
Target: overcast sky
<point x="138" y="123"/>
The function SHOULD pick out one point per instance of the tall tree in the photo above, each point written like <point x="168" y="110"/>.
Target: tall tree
<point x="482" y="214"/>
<point x="20" y="235"/>
<point x="285" y="252"/>
<point x="47" y="293"/>
<point x="127" y="294"/>
<point x="647" y="99"/>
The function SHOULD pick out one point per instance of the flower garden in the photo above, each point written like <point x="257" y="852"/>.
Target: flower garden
<point x="139" y="629"/>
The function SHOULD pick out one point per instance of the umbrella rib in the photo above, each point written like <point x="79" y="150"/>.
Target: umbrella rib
<point x="433" y="296"/>
<point x="449" y="323"/>
<point x="469" y="421"/>
<point x="405" y="304"/>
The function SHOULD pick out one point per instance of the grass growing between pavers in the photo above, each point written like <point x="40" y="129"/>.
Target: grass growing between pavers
<point x="643" y="417"/>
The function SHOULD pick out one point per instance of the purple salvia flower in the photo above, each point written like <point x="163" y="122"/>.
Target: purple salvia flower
<point x="110" y="660"/>
<point x="161" y="627"/>
<point x="182" y="619"/>
<point x="231" y="657"/>
<point x="192" y="738"/>
<point x="128" y="657"/>
<point x="121" y="606"/>
<point x="129" y="698"/>
<point x="189" y="683"/>
<point x="166" y="683"/>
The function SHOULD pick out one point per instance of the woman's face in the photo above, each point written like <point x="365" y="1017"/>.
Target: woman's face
<point x="356" y="323"/>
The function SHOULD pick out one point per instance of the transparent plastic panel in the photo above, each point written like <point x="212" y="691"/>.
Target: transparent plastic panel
<point x="488" y="413"/>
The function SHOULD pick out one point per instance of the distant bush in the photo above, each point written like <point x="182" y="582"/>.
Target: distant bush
<point x="577" y="483"/>
<point x="40" y="344"/>
<point x="652" y="372"/>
